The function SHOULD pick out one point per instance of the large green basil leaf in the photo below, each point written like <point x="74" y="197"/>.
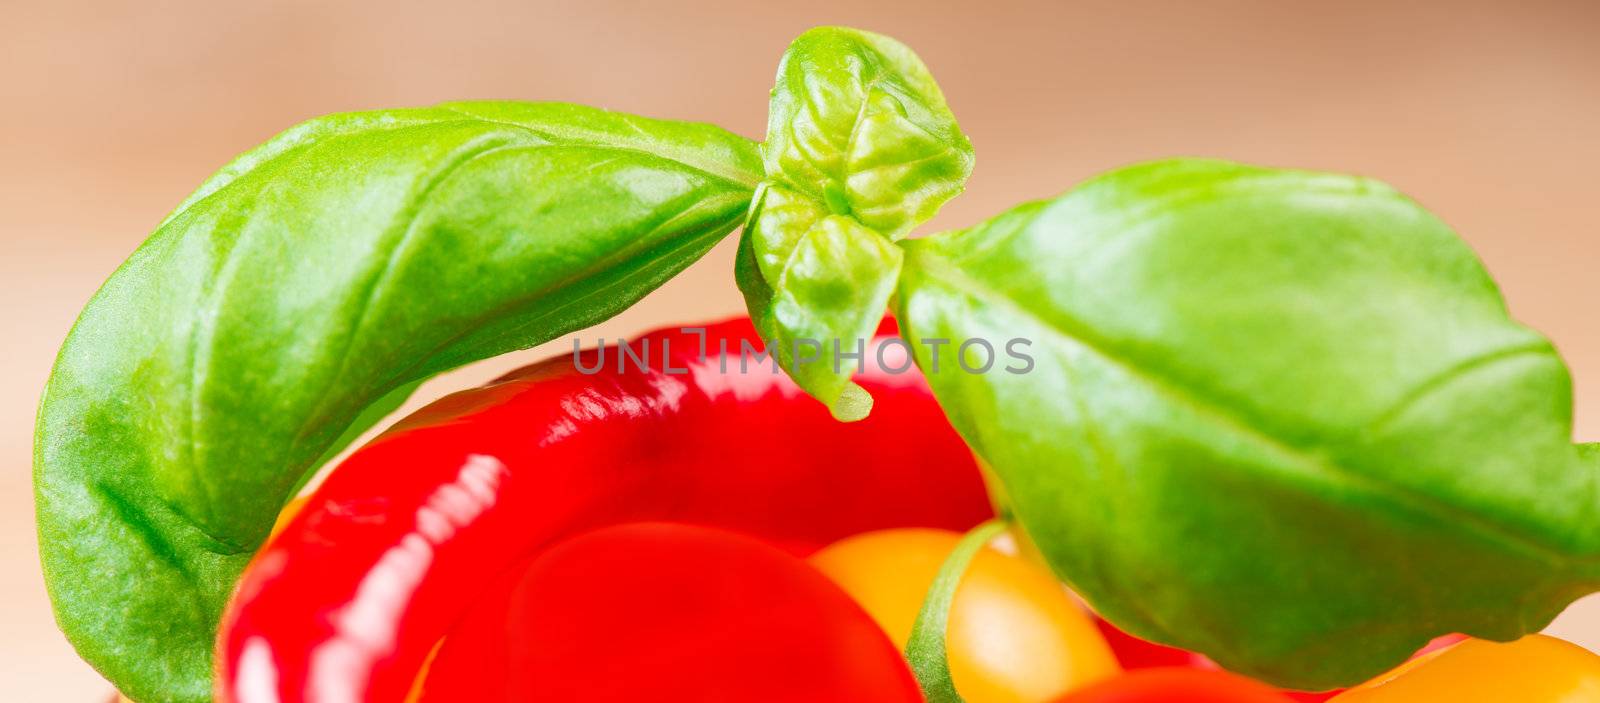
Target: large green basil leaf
<point x="860" y="148"/>
<point x="1282" y="418"/>
<point x="347" y="258"/>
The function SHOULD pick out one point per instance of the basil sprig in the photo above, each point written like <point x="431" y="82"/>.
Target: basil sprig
<point x="329" y="271"/>
<point x="1282" y="418"/>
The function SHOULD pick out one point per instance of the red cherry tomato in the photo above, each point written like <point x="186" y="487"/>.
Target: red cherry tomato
<point x="1309" y="697"/>
<point x="662" y="612"/>
<point x="1176" y="685"/>
<point x="1135" y="653"/>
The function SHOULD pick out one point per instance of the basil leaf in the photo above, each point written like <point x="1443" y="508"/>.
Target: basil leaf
<point x="344" y="259"/>
<point x="827" y="292"/>
<point x="1278" y="417"/>
<point x="860" y="148"/>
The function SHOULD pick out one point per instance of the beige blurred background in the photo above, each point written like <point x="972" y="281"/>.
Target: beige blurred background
<point x="111" y="112"/>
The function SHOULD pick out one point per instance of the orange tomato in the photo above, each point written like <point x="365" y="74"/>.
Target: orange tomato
<point x="1015" y="634"/>
<point x="1534" y="669"/>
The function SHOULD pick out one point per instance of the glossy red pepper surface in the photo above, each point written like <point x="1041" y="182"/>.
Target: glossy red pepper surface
<point x="668" y="613"/>
<point x="347" y="601"/>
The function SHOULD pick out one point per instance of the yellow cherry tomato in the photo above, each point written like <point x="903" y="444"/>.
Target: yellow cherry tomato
<point x="1015" y="634"/>
<point x="1534" y="669"/>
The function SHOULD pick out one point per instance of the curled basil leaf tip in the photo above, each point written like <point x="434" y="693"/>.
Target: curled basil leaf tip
<point x="860" y="148"/>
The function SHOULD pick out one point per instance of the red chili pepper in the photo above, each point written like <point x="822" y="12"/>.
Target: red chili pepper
<point x="346" y="602"/>
<point x="665" y="612"/>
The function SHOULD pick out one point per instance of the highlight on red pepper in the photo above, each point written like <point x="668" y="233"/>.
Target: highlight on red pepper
<point x="1280" y="419"/>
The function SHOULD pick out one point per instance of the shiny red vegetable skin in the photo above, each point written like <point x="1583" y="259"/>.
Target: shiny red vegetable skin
<point x="346" y="602"/>
<point x="673" y="614"/>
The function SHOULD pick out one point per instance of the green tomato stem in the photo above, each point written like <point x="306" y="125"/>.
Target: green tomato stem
<point x="926" y="648"/>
